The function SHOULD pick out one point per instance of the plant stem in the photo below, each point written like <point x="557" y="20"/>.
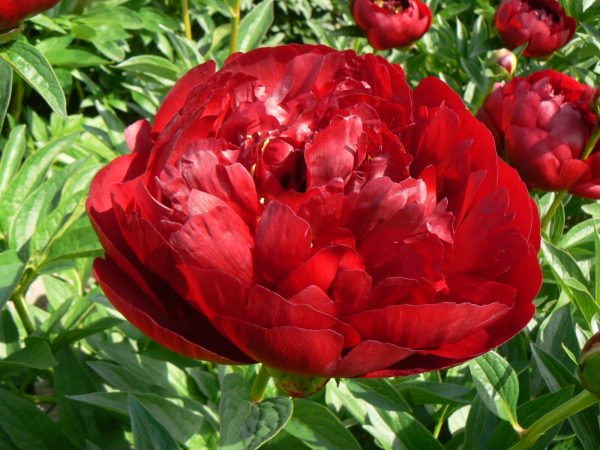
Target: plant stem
<point x="185" y="7"/>
<point x="235" y="26"/>
<point x="553" y="208"/>
<point x="591" y="143"/>
<point x="260" y="384"/>
<point x="578" y="403"/>
<point x="19" y="302"/>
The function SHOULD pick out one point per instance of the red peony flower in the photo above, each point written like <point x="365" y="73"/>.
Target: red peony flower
<point x="542" y="123"/>
<point x="391" y="23"/>
<point x="304" y="208"/>
<point x="542" y="24"/>
<point x="14" y="11"/>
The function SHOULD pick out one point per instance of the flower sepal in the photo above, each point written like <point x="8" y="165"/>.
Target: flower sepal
<point x="297" y="385"/>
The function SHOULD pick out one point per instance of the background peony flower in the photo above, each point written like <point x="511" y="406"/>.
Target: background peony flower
<point x="542" y="24"/>
<point x="392" y="23"/>
<point x="14" y="11"/>
<point x="542" y="123"/>
<point x="304" y="208"/>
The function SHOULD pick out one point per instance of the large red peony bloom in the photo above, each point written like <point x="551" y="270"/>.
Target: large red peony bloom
<point x="391" y="23"/>
<point x="304" y="208"/>
<point x="541" y="24"/>
<point x="14" y="11"/>
<point x="542" y="123"/>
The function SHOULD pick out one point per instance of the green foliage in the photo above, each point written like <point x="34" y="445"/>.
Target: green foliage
<point x="82" y="377"/>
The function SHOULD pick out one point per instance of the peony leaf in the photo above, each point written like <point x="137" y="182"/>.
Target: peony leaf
<point x="379" y="392"/>
<point x="11" y="268"/>
<point x="34" y="68"/>
<point x="35" y="355"/>
<point x="27" y="427"/>
<point x="148" y="433"/>
<point x="497" y="385"/>
<point x="182" y="418"/>
<point x="318" y="428"/>
<point x="6" y="78"/>
<point x="12" y="153"/>
<point x="245" y="425"/>
<point x="29" y="176"/>
<point x="254" y="25"/>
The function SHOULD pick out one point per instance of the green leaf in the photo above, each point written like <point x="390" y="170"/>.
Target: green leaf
<point x="29" y="428"/>
<point x="254" y="25"/>
<point x="68" y="337"/>
<point x="497" y="385"/>
<point x="148" y="433"/>
<point x="571" y="279"/>
<point x="33" y="67"/>
<point x="245" y="425"/>
<point x="150" y="65"/>
<point x="6" y="78"/>
<point x="73" y="58"/>
<point x="557" y="376"/>
<point x="182" y="418"/>
<point x="36" y="355"/>
<point x="11" y="268"/>
<point x="428" y="392"/>
<point x="480" y="425"/>
<point x="12" y="154"/>
<point x="318" y="428"/>
<point x="378" y="392"/>
<point x="400" y="430"/>
<point x="504" y="436"/>
<point x="78" y="420"/>
<point x="38" y="204"/>
<point x="29" y="176"/>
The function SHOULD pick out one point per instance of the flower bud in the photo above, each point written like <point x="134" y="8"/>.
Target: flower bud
<point x="589" y="365"/>
<point x="297" y="385"/>
<point x="503" y="58"/>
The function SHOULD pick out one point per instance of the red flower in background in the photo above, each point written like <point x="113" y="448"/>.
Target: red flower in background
<point x="542" y="24"/>
<point x="304" y="208"/>
<point x="392" y="23"/>
<point x="14" y="11"/>
<point x="542" y="123"/>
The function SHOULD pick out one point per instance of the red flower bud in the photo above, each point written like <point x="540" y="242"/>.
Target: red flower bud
<point x="392" y="23"/>
<point x="542" y="24"/>
<point x="589" y="365"/>
<point x="14" y="11"/>
<point x="505" y="59"/>
<point x="542" y="123"/>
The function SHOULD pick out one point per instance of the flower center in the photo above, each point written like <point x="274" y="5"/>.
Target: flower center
<point x="543" y="13"/>
<point x="395" y="6"/>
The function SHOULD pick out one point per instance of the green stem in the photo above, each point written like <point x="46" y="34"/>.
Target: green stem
<point x="19" y="302"/>
<point x="235" y="26"/>
<point x="440" y="422"/>
<point x="578" y="403"/>
<point x="260" y="384"/>
<point x="591" y="143"/>
<point x="185" y="7"/>
<point x="553" y="208"/>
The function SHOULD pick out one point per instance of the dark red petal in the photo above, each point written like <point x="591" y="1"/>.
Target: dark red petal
<point x="369" y="356"/>
<point x="425" y="327"/>
<point x="321" y="269"/>
<point x="189" y="333"/>
<point x="289" y="349"/>
<point x="282" y="243"/>
<point x="178" y="96"/>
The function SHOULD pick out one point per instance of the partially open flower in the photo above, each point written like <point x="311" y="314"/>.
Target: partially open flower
<point x="305" y="208"/>
<point x="14" y="11"/>
<point x="589" y="365"/>
<point x="392" y="23"/>
<point x="542" y="123"/>
<point x="541" y="24"/>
